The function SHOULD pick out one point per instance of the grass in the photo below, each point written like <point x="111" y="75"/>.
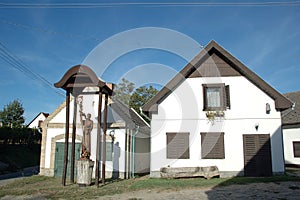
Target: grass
<point x="50" y="187"/>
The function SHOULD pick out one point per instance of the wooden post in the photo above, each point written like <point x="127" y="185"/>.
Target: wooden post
<point x="98" y="137"/>
<point x="104" y="139"/>
<point x="64" y="175"/>
<point x="73" y="141"/>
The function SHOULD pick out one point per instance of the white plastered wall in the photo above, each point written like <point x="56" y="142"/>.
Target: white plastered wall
<point x="182" y="111"/>
<point x="56" y="127"/>
<point x="289" y="136"/>
<point x="35" y="122"/>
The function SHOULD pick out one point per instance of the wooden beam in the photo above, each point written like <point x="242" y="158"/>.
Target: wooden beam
<point x="64" y="175"/>
<point x="104" y="139"/>
<point x="73" y="141"/>
<point x="98" y="138"/>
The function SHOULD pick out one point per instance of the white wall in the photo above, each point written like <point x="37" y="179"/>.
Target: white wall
<point x="35" y="122"/>
<point x="182" y="111"/>
<point x="289" y="136"/>
<point x="90" y="105"/>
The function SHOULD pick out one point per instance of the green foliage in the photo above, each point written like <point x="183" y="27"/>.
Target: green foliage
<point x="141" y="96"/>
<point x="123" y="90"/>
<point x="19" y="135"/>
<point x="20" y="156"/>
<point x="12" y="115"/>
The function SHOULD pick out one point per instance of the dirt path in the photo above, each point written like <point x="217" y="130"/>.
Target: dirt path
<point x="282" y="190"/>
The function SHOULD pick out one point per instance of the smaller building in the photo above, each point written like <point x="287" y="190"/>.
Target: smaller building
<point x="127" y="139"/>
<point x="291" y="131"/>
<point x="38" y="120"/>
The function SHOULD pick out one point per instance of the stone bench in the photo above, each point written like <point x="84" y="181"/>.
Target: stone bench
<point x="185" y="172"/>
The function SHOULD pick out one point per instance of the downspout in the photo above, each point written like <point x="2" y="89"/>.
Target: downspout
<point x="133" y="149"/>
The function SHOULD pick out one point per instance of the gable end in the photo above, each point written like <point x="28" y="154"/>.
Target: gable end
<point x="222" y="64"/>
<point x="214" y="66"/>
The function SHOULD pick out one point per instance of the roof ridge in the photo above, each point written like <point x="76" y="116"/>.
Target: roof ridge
<point x="281" y="102"/>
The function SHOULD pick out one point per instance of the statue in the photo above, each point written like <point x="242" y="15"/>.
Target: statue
<point x="87" y="127"/>
<point x="87" y="130"/>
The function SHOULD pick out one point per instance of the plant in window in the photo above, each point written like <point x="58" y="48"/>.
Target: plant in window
<point x="212" y="115"/>
<point x="216" y="97"/>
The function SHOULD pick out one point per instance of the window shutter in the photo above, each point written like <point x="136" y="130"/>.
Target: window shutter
<point x="178" y="146"/>
<point x="204" y="88"/>
<point x="227" y="97"/>
<point x="108" y="151"/>
<point x="212" y="146"/>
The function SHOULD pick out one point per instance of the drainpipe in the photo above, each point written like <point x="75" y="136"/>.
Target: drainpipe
<point x="133" y="149"/>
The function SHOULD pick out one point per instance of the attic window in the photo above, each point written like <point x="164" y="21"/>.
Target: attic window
<point x="216" y="97"/>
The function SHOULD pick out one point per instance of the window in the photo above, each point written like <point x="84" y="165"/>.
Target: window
<point x="109" y="151"/>
<point x="178" y="146"/>
<point x="296" y="147"/>
<point x="212" y="146"/>
<point x="216" y="97"/>
<point x="40" y="123"/>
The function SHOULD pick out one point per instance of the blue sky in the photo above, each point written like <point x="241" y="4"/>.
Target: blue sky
<point x="49" y="37"/>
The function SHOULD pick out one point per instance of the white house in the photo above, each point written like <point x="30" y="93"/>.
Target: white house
<point x="291" y="131"/>
<point x="217" y="112"/>
<point x="127" y="139"/>
<point x="38" y="120"/>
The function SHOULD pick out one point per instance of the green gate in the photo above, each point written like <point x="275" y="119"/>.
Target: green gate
<point x="59" y="158"/>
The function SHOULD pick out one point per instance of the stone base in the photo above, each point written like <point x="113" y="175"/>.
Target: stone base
<point x="84" y="172"/>
<point x="182" y="172"/>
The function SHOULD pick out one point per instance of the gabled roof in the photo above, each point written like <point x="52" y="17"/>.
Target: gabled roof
<point x="130" y="116"/>
<point x="41" y="113"/>
<point x="227" y="65"/>
<point x="292" y="116"/>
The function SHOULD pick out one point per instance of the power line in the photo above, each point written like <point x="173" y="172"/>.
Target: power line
<point x="17" y="63"/>
<point x="145" y="4"/>
<point x="48" y="31"/>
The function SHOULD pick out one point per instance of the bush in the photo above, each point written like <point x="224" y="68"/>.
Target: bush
<point x="19" y="136"/>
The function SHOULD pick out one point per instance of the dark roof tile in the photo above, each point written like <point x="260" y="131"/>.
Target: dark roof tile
<point x="292" y="115"/>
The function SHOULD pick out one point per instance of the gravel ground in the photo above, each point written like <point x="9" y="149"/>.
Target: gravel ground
<point x="282" y="190"/>
<point x="277" y="190"/>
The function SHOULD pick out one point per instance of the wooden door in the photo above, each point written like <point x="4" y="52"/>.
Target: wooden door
<point x="257" y="155"/>
<point x="59" y="158"/>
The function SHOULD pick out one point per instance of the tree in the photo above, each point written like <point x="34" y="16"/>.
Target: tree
<point x="123" y="91"/>
<point x="140" y="96"/>
<point x="12" y="115"/>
